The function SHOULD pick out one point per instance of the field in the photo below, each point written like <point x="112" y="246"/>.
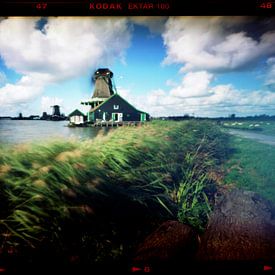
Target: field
<point x="72" y="204"/>
<point x="252" y="164"/>
<point x="251" y="167"/>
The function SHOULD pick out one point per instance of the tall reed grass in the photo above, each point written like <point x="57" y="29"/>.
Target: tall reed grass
<point x="93" y="201"/>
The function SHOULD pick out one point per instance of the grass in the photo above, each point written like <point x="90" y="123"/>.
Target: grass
<point x="93" y="201"/>
<point x="252" y="167"/>
<point x="268" y="128"/>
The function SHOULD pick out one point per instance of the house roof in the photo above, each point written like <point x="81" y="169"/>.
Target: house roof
<point x="76" y="112"/>
<point x="101" y="104"/>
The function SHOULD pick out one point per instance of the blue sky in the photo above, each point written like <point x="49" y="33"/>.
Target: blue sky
<point x="205" y="66"/>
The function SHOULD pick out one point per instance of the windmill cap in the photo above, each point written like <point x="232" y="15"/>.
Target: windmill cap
<point x="103" y="72"/>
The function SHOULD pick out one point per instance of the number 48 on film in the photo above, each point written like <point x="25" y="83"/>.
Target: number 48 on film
<point x="41" y="6"/>
<point x="266" y="5"/>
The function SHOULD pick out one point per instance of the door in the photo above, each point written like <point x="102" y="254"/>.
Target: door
<point x="142" y="117"/>
<point x="117" y="117"/>
<point x="91" y="116"/>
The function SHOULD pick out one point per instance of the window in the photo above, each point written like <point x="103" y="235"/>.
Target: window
<point x="116" y="107"/>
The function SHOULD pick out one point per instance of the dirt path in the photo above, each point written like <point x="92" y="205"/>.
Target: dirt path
<point x="255" y="136"/>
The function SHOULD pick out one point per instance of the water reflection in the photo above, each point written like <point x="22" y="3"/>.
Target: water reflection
<point x="22" y="131"/>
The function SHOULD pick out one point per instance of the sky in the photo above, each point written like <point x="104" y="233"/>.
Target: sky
<point x="166" y="66"/>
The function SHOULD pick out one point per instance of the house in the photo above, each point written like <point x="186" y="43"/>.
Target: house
<point x="77" y="118"/>
<point x="116" y="109"/>
<point x="107" y="105"/>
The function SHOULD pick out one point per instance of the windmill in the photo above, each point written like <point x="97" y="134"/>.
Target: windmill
<point x="103" y="83"/>
<point x="56" y="115"/>
<point x="106" y="105"/>
<point x="56" y="110"/>
<point x="104" y="87"/>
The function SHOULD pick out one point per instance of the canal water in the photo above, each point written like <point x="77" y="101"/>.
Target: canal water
<point x="255" y="136"/>
<point x="24" y="131"/>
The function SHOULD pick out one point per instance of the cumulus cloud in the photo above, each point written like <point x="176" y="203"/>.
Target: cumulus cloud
<point x="270" y="78"/>
<point x="171" y="83"/>
<point x="3" y="78"/>
<point x="219" y="100"/>
<point x="152" y="103"/>
<point x="65" y="48"/>
<point x="204" y="46"/>
<point x="194" y="84"/>
<point x="213" y="43"/>
<point x="13" y="97"/>
<point x="27" y="88"/>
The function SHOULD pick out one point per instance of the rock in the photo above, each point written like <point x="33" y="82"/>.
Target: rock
<point x="168" y="248"/>
<point x="241" y="229"/>
<point x="240" y="237"/>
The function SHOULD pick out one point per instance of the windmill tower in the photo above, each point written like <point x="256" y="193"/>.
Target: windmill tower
<point x="56" y="110"/>
<point x="103" y="83"/>
<point x="102" y="79"/>
<point x="56" y="115"/>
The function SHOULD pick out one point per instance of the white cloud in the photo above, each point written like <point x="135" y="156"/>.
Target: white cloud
<point x="194" y="84"/>
<point x="69" y="47"/>
<point x="193" y="88"/>
<point x="270" y="78"/>
<point x="27" y="88"/>
<point x="13" y="97"/>
<point x="214" y="44"/>
<point x="210" y="43"/>
<point x="219" y="100"/>
<point x="3" y="78"/>
<point x="171" y="83"/>
<point x="66" y="48"/>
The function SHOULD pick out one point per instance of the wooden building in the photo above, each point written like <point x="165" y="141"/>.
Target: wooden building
<point x="116" y="109"/>
<point x="107" y="105"/>
<point x="77" y="118"/>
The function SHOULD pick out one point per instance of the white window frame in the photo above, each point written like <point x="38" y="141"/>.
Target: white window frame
<point x="116" y="107"/>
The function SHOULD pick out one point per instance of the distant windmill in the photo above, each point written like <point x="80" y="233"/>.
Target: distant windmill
<point x="56" y="110"/>
<point x="56" y="115"/>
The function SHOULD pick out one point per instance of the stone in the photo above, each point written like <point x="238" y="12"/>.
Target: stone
<point x="168" y="248"/>
<point x="240" y="232"/>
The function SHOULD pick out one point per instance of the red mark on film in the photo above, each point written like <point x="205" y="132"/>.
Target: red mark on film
<point x="266" y="5"/>
<point x="267" y="267"/>
<point x="135" y="269"/>
<point x="41" y="6"/>
<point x="146" y="269"/>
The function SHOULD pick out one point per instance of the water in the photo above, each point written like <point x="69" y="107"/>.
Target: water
<point x="24" y="131"/>
<point x="255" y="136"/>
